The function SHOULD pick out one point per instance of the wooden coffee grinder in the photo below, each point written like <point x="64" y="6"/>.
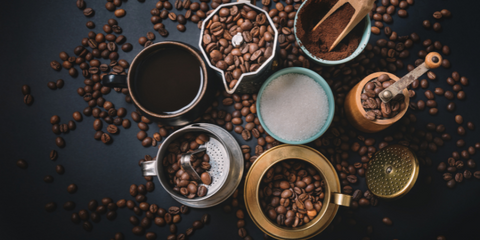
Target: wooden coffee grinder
<point x="354" y="110"/>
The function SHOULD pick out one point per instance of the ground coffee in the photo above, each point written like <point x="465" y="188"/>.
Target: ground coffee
<point x="319" y="41"/>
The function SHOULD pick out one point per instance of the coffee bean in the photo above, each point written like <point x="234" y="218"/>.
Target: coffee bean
<point x="459" y="119"/>
<point x="206" y="179"/>
<point x="246" y="134"/>
<point x="447" y="176"/>
<point x="25" y="89"/>
<point x="197" y="224"/>
<point x="50" y="207"/>
<point x="28" y="99"/>
<point x="22" y="164"/>
<point x="441" y="167"/>
<point x="106" y="138"/>
<point x="205" y="218"/>
<point x="451" y="183"/>
<point x="81" y="4"/>
<point x="60" y="142"/>
<point x="52" y="85"/>
<point x="363" y="202"/>
<point x="77" y="116"/>
<point x="120" y="13"/>
<point x="138" y="230"/>
<point x="112" y="129"/>
<point x="90" y="24"/>
<point x="427" y="24"/>
<point x="352" y="179"/>
<point x="150" y="236"/>
<point x="83" y="214"/>
<point x="72" y="188"/>
<point x="181" y="27"/>
<point x="173" y="210"/>
<point x="387" y="221"/>
<point x="48" y="179"/>
<point x="88" y="12"/>
<point x="127" y="47"/>
<point x="242" y="232"/>
<point x="459" y="177"/>
<point x="357" y="195"/>
<point x="70" y="205"/>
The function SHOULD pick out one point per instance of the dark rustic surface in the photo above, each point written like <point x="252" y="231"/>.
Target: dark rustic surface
<point x="33" y="34"/>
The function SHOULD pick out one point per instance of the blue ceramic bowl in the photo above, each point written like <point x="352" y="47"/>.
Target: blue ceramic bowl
<point x="320" y="81"/>
<point x="361" y="46"/>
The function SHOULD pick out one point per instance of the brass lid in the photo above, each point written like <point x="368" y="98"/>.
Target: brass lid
<point x="392" y="172"/>
<point x="333" y="196"/>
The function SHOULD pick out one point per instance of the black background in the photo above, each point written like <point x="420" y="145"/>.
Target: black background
<point x="33" y="33"/>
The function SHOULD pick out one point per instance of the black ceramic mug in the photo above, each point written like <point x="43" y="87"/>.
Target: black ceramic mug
<point x="169" y="83"/>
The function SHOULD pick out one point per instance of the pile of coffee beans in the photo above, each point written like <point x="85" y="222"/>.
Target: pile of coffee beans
<point x="179" y="179"/>
<point x="291" y="193"/>
<point x="374" y="107"/>
<point x="255" y="49"/>
<point x="194" y="12"/>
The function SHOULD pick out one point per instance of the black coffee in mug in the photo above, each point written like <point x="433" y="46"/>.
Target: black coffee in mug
<point x="168" y="80"/>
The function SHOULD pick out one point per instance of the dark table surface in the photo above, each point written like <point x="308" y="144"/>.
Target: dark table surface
<point x="35" y="32"/>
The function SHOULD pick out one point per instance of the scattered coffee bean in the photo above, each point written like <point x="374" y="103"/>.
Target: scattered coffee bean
<point x="22" y="164"/>
<point x="387" y="221"/>
<point x="72" y="188"/>
<point x="28" y="99"/>
<point x="50" y="207"/>
<point x="120" y="13"/>
<point x="60" y="142"/>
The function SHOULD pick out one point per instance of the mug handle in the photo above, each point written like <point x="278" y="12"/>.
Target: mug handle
<point x="119" y="81"/>
<point x="149" y="168"/>
<point x="342" y="199"/>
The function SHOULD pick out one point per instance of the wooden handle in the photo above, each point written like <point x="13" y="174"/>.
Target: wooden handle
<point x="433" y="60"/>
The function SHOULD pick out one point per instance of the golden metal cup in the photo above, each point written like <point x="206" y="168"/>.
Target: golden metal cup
<point x="333" y="196"/>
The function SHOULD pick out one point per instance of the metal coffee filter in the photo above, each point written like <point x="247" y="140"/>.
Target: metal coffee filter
<point x="219" y="164"/>
<point x="392" y="172"/>
<point x="226" y="161"/>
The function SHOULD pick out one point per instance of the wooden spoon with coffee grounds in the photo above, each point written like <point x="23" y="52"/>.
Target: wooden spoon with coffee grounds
<point x="362" y="8"/>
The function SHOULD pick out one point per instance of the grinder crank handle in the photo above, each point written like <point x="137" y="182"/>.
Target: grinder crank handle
<point x="432" y="60"/>
<point x="187" y="166"/>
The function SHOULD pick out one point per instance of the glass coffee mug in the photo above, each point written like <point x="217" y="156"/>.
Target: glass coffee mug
<point x="169" y="83"/>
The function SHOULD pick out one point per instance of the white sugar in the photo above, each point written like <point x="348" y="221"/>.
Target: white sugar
<point x="294" y="107"/>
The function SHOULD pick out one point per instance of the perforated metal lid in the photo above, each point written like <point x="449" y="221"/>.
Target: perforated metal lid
<point x="219" y="165"/>
<point x="392" y="172"/>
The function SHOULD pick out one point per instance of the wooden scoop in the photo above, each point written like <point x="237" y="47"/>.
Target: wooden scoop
<point x="362" y="8"/>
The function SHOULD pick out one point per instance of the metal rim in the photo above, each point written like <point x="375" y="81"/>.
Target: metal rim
<point x="267" y="160"/>
<point x="192" y="105"/>
<point x="231" y="91"/>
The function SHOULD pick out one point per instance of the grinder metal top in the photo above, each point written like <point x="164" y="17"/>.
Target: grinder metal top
<point x="392" y="172"/>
